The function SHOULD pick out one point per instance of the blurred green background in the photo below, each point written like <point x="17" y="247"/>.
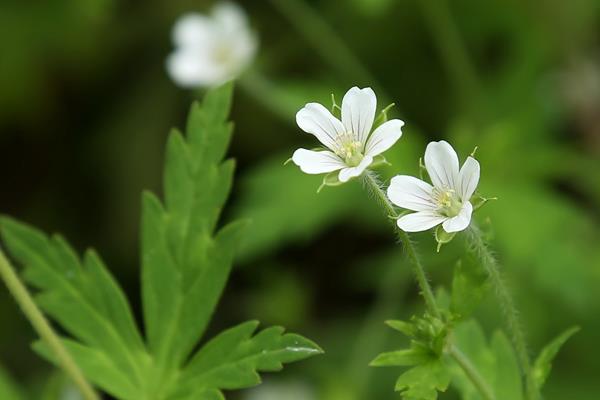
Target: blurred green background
<point x="86" y="105"/>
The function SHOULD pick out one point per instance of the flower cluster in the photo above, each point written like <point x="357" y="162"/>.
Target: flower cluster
<point x="351" y="146"/>
<point x="211" y="49"/>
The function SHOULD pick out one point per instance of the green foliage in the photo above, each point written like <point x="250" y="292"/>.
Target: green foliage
<point x="186" y="260"/>
<point x="543" y="363"/>
<point x="8" y="389"/>
<point x="428" y="374"/>
<point x="468" y="288"/>
<point x="495" y="361"/>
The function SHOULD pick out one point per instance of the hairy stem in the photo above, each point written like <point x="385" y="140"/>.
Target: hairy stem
<point x="43" y="328"/>
<point x="471" y="372"/>
<point x="373" y="185"/>
<point x="511" y="315"/>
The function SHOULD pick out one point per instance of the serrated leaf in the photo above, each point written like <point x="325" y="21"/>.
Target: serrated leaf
<point x="185" y="262"/>
<point x="424" y="381"/>
<point x="543" y="363"/>
<point x="82" y="297"/>
<point x="233" y="359"/>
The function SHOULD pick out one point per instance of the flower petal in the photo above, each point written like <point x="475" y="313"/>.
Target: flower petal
<point x="353" y="172"/>
<point x="317" y="162"/>
<point x="230" y="17"/>
<point x="194" y="30"/>
<point x="315" y="119"/>
<point x="411" y="193"/>
<point x="461" y="221"/>
<point x="190" y="68"/>
<point x="384" y="137"/>
<point x="358" y="112"/>
<point x="468" y="178"/>
<point x="420" y="221"/>
<point x="441" y="162"/>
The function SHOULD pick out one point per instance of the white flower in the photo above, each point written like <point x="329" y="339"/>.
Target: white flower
<point x="447" y="201"/>
<point x="211" y="49"/>
<point x="352" y="146"/>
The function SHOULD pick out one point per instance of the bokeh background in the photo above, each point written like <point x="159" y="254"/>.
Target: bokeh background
<point x="86" y="105"/>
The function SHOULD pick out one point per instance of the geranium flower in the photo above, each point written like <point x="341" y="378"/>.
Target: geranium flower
<point x="211" y="49"/>
<point x="351" y="146"/>
<point x="447" y="201"/>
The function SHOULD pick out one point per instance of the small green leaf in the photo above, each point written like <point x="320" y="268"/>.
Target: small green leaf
<point x="401" y="326"/>
<point x="424" y="381"/>
<point x="403" y="358"/>
<point x="543" y="363"/>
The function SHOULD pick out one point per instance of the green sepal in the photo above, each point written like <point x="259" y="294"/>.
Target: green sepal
<point x="479" y="201"/>
<point x="382" y="118"/>
<point x="442" y="237"/>
<point x="330" y="179"/>
<point x="379" y="161"/>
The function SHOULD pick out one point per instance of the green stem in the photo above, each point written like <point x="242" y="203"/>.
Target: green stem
<point x="511" y="315"/>
<point x="325" y="40"/>
<point x="373" y="185"/>
<point x="43" y="328"/>
<point x="471" y="372"/>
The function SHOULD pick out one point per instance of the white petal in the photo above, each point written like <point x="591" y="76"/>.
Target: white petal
<point x="194" y="69"/>
<point x="358" y="112"/>
<point x="384" y="137"/>
<point x="352" y="172"/>
<point x="468" y="178"/>
<point x="317" y="120"/>
<point x="230" y="16"/>
<point x="420" y="221"/>
<point x="441" y="162"/>
<point x="317" y="162"/>
<point x="194" y="30"/>
<point x="411" y="193"/>
<point x="461" y="221"/>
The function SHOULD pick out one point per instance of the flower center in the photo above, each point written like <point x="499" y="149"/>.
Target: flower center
<point x="350" y="149"/>
<point x="223" y="53"/>
<point x="448" y="202"/>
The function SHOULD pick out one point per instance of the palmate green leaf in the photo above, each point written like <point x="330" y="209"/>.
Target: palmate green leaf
<point x="81" y="295"/>
<point x="186" y="262"/>
<point x="232" y="359"/>
<point x="543" y="363"/>
<point x="424" y="381"/>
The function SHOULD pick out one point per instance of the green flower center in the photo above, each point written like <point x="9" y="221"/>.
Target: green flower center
<point x="448" y="202"/>
<point x="350" y="150"/>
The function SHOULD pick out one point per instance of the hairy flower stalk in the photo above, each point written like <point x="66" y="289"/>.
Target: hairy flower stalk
<point x="43" y="328"/>
<point x="372" y="184"/>
<point x="511" y="315"/>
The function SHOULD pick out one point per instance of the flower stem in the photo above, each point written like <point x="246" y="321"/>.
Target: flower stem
<point x="511" y="315"/>
<point x="43" y="328"/>
<point x="471" y="372"/>
<point x="373" y="185"/>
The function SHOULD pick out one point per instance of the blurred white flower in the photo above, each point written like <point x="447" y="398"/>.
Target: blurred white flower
<point x="352" y="146"/>
<point x="447" y="201"/>
<point x="211" y="49"/>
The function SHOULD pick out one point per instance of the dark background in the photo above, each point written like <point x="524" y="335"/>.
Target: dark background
<point x="86" y="105"/>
